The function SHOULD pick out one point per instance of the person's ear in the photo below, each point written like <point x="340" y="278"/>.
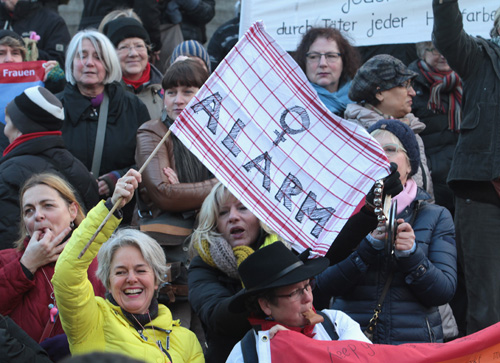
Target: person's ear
<point x="379" y="96"/>
<point x="73" y="210"/>
<point x="265" y="306"/>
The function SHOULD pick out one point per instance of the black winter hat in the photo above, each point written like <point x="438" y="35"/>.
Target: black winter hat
<point x="407" y="137"/>
<point x="379" y="73"/>
<point x="270" y="267"/>
<point x="124" y="28"/>
<point x="36" y="110"/>
<point x="9" y="33"/>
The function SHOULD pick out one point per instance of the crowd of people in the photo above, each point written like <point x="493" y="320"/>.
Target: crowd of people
<point x="180" y="270"/>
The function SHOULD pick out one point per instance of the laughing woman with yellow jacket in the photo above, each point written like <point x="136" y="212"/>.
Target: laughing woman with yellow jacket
<point x="131" y="266"/>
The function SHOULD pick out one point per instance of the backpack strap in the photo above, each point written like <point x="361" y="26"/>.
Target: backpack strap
<point x="329" y="326"/>
<point x="248" y="347"/>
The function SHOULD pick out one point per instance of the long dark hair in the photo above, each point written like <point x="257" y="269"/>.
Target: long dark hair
<point x="188" y="73"/>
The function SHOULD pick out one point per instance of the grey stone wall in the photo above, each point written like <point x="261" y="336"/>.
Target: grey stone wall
<point x="224" y="10"/>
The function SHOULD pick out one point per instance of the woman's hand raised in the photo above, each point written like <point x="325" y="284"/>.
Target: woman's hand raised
<point x="125" y="187"/>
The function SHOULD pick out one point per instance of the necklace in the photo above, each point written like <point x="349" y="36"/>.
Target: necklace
<point x="53" y="311"/>
<point x="158" y="342"/>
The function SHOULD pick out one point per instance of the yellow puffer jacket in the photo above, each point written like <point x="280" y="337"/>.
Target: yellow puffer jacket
<point x="94" y="324"/>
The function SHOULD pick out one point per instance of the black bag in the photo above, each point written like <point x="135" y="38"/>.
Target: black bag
<point x="171" y="231"/>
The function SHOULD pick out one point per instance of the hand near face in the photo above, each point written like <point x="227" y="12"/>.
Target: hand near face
<point x="171" y="175"/>
<point x="405" y="237"/>
<point x="125" y="187"/>
<point x="43" y="248"/>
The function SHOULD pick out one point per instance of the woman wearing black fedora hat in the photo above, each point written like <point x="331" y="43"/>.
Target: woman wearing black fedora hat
<point x="278" y="294"/>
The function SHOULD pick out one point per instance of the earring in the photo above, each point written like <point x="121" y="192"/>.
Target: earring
<point x="72" y="224"/>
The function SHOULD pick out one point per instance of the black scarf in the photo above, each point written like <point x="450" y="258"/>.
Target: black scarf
<point x="140" y="320"/>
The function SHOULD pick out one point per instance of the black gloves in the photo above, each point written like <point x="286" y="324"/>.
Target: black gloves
<point x="392" y="186"/>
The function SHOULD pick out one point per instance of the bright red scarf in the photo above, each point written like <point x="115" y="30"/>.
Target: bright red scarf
<point x="23" y="138"/>
<point x="263" y="324"/>
<point x="146" y="75"/>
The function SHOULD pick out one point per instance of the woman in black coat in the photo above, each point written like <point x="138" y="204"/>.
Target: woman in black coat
<point x="93" y="72"/>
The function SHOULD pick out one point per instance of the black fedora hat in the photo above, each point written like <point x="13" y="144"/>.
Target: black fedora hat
<point x="271" y="267"/>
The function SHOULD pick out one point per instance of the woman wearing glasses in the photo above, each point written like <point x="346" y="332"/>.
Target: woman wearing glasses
<point x="418" y="277"/>
<point x="329" y="62"/>
<point x="383" y="89"/>
<point x="132" y="45"/>
<point x="438" y="104"/>
<point x="92" y="70"/>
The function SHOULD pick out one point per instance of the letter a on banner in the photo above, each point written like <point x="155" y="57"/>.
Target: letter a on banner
<point x="260" y="128"/>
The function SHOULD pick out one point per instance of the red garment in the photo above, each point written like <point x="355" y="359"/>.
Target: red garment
<point x="146" y="76"/>
<point x="23" y="138"/>
<point x="26" y="301"/>
<point x="263" y="324"/>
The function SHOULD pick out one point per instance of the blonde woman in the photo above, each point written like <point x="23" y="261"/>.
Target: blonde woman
<point x="227" y="233"/>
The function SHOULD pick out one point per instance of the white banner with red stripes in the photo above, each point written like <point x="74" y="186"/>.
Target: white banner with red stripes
<point x="261" y="129"/>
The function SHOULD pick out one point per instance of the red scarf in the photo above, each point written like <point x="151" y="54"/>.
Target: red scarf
<point x="146" y="75"/>
<point x="263" y="324"/>
<point x="23" y="138"/>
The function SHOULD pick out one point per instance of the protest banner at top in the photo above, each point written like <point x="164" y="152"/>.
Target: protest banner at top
<point x="366" y="22"/>
<point x="260" y="128"/>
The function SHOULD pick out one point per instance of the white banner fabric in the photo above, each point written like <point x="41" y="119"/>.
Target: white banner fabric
<point x="365" y="22"/>
<point x="261" y="129"/>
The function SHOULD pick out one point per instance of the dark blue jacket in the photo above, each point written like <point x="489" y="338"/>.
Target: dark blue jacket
<point x="421" y="282"/>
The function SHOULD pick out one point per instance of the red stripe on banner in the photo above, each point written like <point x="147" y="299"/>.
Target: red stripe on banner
<point x="22" y="72"/>
<point x="293" y="347"/>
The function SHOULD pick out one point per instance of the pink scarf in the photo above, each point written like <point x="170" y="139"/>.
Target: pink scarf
<point x="407" y="195"/>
